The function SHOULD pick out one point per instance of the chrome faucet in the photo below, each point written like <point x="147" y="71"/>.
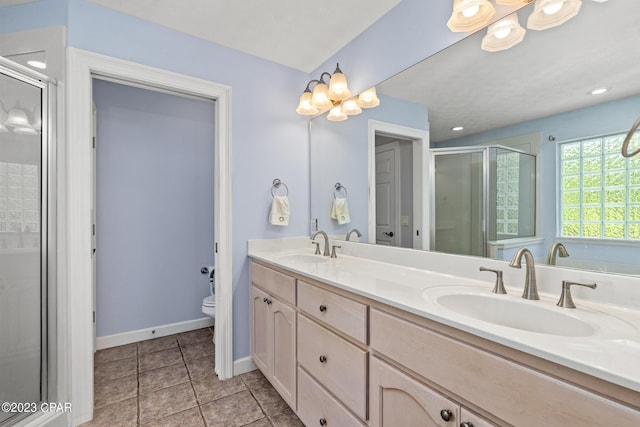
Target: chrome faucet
<point x="556" y="249"/>
<point x="326" y="241"/>
<point x="530" y="286"/>
<point x="353" y="230"/>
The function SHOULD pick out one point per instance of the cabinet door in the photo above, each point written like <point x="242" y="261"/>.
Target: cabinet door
<point x="469" y="419"/>
<point x="398" y="400"/>
<point x="283" y="324"/>
<point x="260" y="351"/>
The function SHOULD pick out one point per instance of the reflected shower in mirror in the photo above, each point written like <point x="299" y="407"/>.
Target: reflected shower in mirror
<point x="537" y="96"/>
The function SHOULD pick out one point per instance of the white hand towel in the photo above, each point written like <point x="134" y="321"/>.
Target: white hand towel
<point x="280" y="211"/>
<point x="340" y="210"/>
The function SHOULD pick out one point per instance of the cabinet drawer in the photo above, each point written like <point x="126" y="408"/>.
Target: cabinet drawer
<point x="316" y="404"/>
<point x="274" y="282"/>
<point x="344" y="314"/>
<point x="517" y="394"/>
<point x="337" y="364"/>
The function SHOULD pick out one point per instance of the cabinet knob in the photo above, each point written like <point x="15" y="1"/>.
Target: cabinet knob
<point x="323" y="422"/>
<point x="268" y="301"/>
<point x="446" y="414"/>
<point x="264" y="300"/>
<point x="323" y="308"/>
<point x="466" y="424"/>
<point x="323" y="359"/>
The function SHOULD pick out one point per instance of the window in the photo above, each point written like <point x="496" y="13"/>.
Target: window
<point x="19" y="198"/>
<point x="599" y="189"/>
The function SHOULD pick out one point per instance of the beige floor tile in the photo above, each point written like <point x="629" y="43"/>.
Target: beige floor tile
<point x="197" y="349"/>
<point x="157" y="344"/>
<point x="201" y="367"/>
<point x="270" y="400"/>
<point x="210" y="388"/>
<point x="287" y="418"/>
<point x="112" y="391"/>
<point x="159" y="359"/>
<point x="165" y="402"/>
<point x="262" y="422"/>
<point x="116" y="369"/>
<point x="255" y="379"/>
<point x="189" y="418"/>
<point x="160" y="378"/>
<point x="199" y="335"/>
<point x="232" y="411"/>
<point x="115" y="353"/>
<point x="121" y="414"/>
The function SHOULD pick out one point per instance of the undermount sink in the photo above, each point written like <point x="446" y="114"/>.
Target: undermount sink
<point x="515" y="313"/>
<point x="304" y="258"/>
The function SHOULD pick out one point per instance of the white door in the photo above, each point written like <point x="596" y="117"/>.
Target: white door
<point x="387" y="225"/>
<point x="94" y="128"/>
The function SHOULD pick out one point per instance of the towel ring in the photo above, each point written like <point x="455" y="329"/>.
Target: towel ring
<point x="276" y="184"/>
<point x="337" y="189"/>
<point x="627" y="140"/>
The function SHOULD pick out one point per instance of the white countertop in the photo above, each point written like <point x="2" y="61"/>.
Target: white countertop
<point x="611" y="353"/>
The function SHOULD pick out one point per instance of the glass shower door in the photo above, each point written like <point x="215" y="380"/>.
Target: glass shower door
<point x="23" y="284"/>
<point x="458" y="200"/>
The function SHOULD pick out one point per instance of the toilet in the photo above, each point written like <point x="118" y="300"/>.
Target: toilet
<point x="209" y="302"/>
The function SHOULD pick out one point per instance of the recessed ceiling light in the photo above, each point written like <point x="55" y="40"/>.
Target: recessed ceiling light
<point x="598" y="91"/>
<point x="37" y="64"/>
<point x="457" y="128"/>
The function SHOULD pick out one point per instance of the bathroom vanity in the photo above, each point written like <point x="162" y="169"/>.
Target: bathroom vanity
<point x="354" y="341"/>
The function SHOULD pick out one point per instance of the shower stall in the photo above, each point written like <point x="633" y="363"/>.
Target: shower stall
<point x="480" y="196"/>
<point x="25" y="239"/>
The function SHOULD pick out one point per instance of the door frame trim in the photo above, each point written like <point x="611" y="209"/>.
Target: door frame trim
<point x="82" y="66"/>
<point x="421" y="176"/>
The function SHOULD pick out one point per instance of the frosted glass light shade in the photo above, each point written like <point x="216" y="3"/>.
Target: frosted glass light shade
<point x="17" y="118"/>
<point x="338" y="89"/>
<point x="304" y="106"/>
<point x="368" y="98"/>
<point x="463" y="19"/>
<point x="551" y="13"/>
<point x="336" y="114"/>
<point x="3" y="119"/>
<point x="25" y="130"/>
<point x="503" y="34"/>
<point x="510" y="2"/>
<point x="350" y="107"/>
<point x="320" y="98"/>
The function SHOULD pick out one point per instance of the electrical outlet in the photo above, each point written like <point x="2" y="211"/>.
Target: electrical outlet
<point x="314" y="225"/>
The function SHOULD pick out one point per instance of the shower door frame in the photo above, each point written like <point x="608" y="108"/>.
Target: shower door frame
<point x="49" y="362"/>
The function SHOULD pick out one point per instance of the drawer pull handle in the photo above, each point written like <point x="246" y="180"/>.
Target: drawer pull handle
<point x="446" y="414"/>
<point x="466" y="424"/>
<point x="323" y="359"/>
<point x="268" y="301"/>
<point x="323" y="422"/>
<point x="264" y="300"/>
<point x="323" y="308"/>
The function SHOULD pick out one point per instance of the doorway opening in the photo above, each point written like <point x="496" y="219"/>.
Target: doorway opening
<point x="82" y="67"/>
<point x="398" y="174"/>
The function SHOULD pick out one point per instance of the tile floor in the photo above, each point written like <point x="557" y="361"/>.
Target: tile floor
<point x="170" y="381"/>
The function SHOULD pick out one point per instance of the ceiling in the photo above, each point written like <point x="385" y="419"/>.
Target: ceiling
<point x="550" y="72"/>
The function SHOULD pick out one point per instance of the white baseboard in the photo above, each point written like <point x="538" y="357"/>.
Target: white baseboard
<point x="240" y="366"/>
<point x="115" y="340"/>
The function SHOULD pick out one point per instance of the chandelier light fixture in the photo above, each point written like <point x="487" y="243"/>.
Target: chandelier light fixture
<point x="470" y="15"/>
<point x="503" y="34"/>
<point x="551" y="13"/>
<point x="336" y="97"/>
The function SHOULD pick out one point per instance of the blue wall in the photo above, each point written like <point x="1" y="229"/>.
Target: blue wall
<point x="155" y="158"/>
<point x="606" y="118"/>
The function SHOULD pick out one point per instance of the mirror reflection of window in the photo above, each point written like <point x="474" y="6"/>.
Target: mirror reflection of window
<point x="599" y="189"/>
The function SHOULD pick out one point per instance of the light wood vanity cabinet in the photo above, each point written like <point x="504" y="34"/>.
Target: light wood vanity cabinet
<point x="359" y="362"/>
<point x="273" y="330"/>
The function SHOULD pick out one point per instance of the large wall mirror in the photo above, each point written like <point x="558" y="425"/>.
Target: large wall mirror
<point x="556" y="168"/>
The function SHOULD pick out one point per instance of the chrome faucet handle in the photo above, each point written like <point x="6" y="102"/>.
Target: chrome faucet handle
<point x="565" y="297"/>
<point x="498" y="288"/>
<point x="317" y="247"/>
<point x="333" y="251"/>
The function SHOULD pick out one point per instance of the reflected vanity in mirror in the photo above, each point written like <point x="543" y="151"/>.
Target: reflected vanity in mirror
<point x="535" y="97"/>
